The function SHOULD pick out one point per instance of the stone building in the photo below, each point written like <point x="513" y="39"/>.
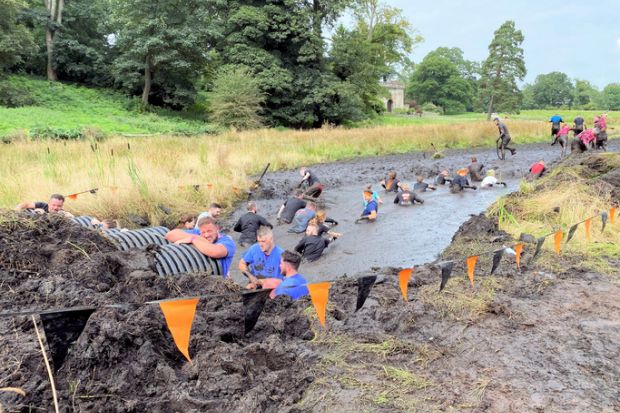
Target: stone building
<point x="397" y="95"/>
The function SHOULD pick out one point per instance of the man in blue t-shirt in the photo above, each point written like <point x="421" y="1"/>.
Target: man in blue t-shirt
<point x="208" y="240"/>
<point x="261" y="260"/>
<point x="294" y="284"/>
<point x="556" y="121"/>
<point x="370" y="211"/>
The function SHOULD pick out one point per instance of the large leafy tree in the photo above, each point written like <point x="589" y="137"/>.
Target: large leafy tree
<point x="585" y="94"/>
<point x="611" y="96"/>
<point x="16" y="41"/>
<point x="502" y="69"/>
<point x="552" y="90"/>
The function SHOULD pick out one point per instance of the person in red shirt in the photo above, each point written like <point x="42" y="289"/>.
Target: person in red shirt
<point x="561" y="137"/>
<point x="537" y="169"/>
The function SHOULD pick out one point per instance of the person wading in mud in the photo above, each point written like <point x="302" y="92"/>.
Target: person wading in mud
<point x="208" y="240"/>
<point x="261" y="260"/>
<point x="55" y="205"/>
<point x="302" y="217"/>
<point x="375" y="195"/>
<point x="311" y="246"/>
<point x="561" y="137"/>
<point x="406" y="197"/>
<point x="391" y="184"/>
<point x="579" y="125"/>
<point x="370" y="210"/>
<point x="556" y="122"/>
<point x="291" y="206"/>
<point x="460" y="182"/>
<point x="504" y="135"/>
<point x="475" y="170"/>
<point x="315" y="188"/>
<point x="320" y="220"/>
<point x="249" y="223"/>
<point x="600" y="130"/>
<point x="421" y="186"/>
<point x="443" y="177"/>
<point x="583" y="141"/>
<point x="294" y="284"/>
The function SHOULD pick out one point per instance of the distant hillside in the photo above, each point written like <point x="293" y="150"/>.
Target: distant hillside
<point x="55" y="106"/>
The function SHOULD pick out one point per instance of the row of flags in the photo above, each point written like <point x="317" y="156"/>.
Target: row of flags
<point x="63" y="327"/>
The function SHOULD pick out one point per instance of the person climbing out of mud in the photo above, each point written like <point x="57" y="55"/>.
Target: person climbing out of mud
<point x="421" y="186"/>
<point x="490" y="180"/>
<point x="583" y="141"/>
<point x="460" y="182"/>
<point x="187" y="222"/>
<point x="370" y="210"/>
<point x="537" y="170"/>
<point x="375" y="195"/>
<point x="579" y="125"/>
<point x="556" y="122"/>
<point x="55" y="205"/>
<point x="249" y="223"/>
<point x="208" y="240"/>
<point x="561" y="137"/>
<point x="302" y="217"/>
<point x="311" y="246"/>
<point x="294" y="284"/>
<point x="391" y="183"/>
<point x="406" y="197"/>
<point x="504" y="135"/>
<point x="293" y="204"/>
<point x="321" y="220"/>
<point x="215" y="210"/>
<point x="261" y="260"/>
<point x="475" y="170"/>
<point x="443" y="177"/>
<point x="314" y="186"/>
<point x="600" y="130"/>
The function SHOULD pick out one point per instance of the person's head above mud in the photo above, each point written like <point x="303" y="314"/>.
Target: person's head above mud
<point x="294" y="284"/>
<point x="55" y="204"/>
<point x="251" y="207"/>
<point x="491" y="172"/>
<point x="474" y="159"/>
<point x="214" y="212"/>
<point x="406" y="197"/>
<point x="261" y="259"/>
<point x="391" y="183"/>
<point x="475" y="169"/>
<point x="187" y="221"/>
<point x="370" y="210"/>
<point x="208" y="240"/>
<point x="442" y="177"/>
<point x="107" y="223"/>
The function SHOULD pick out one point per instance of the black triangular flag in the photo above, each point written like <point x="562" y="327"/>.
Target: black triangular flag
<point x="364" y="285"/>
<point x="62" y="328"/>
<point x="604" y="216"/>
<point x="446" y="270"/>
<point x="539" y="244"/>
<point x="571" y="232"/>
<point x="253" y="304"/>
<point x="497" y="258"/>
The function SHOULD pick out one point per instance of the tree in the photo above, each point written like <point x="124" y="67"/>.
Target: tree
<point x="54" y="23"/>
<point x="15" y="40"/>
<point x="553" y="90"/>
<point x="502" y="69"/>
<point x="437" y="80"/>
<point x="611" y="96"/>
<point x="585" y="94"/>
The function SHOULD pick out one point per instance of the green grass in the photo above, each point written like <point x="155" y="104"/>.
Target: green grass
<point x="68" y="107"/>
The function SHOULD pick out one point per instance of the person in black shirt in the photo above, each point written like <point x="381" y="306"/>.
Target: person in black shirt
<point x="291" y="206"/>
<point x="249" y="223"/>
<point x="443" y="177"/>
<point x="406" y="197"/>
<point x="315" y="188"/>
<point x="475" y="170"/>
<point x="421" y="186"/>
<point x="311" y="246"/>
<point x="54" y="205"/>
<point x="460" y="182"/>
<point x="579" y="125"/>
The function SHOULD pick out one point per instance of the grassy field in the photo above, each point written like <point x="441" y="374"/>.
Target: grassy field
<point x="61" y="106"/>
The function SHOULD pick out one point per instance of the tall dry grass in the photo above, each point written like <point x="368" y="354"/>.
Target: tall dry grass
<point x="160" y="170"/>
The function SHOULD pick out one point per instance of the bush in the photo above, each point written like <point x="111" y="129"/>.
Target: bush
<point x="430" y="107"/>
<point x="14" y="97"/>
<point x="56" y="134"/>
<point x="95" y="134"/>
<point x="18" y="135"/>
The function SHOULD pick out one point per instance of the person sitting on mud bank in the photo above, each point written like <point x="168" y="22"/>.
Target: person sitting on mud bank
<point x="490" y="180"/>
<point x="55" y="205"/>
<point x="537" y="170"/>
<point x="302" y="217"/>
<point x="562" y="138"/>
<point x="320" y="220"/>
<point x="443" y="177"/>
<point x="391" y="184"/>
<point x="406" y="197"/>
<point x="460" y="182"/>
<point x="315" y="188"/>
<point x="294" y="284"/>
<point x="287" y="211"/>
<point x="249" y="223"/>
<point x="370" y="210"/>
<point x="475" y="170"/>
<point x="421" y="186"/>
<point x="187" y="222"/>
<point x="504" y="135"/>
<point x="215" y="210"/>
<point x="261" y="260"/>
<point x="311" y="246"/>
<point x="208" y="240"/>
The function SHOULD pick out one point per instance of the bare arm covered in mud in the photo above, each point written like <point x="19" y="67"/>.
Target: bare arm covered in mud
<point x="209" y="249"/>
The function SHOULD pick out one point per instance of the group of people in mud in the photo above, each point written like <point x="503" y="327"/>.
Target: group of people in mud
<point x="266" y="265"/>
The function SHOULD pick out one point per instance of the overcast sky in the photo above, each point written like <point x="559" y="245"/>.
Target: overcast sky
<point x="579" y="38"/>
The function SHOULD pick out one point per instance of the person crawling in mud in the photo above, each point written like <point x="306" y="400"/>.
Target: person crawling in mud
<point x="261" y="260"/>
<point x="294" y="284"/>
<point x="249" y="223"/>
<point x="561" y="137"/>
<point x="443" y="177"/>
<point x="314" y="186"/>
<point x="490" y="180"/>
<point x="406" y="197"/>
<point x="537" y="169"/>
<point x="214" y="212"/>
<point x="311" y="246"/>
<point x="391" y="183"/>
<point x="55" y="205"/>
<point x="460" y="182"/>
<point x="302" y="217"/>
<point x="208" y="240"/>
<point x="421" y="186"/>
<point x="370" y="210"/>
<point x="475" y="170"/>
<point x="291" y="206"/>
<point x="321" y="220"/>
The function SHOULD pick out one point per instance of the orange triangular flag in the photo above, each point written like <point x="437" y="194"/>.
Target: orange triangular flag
<point x="518" y="252"/>
<point x="471" y="265"/>
<point x="319" y="293"/>
<point x="587" y="227"/>
<point x="403" y="281"/>
<point x="557" y="237"/>
<point x="179" y="315"/>
<point x="114" y="189"/>
<point x="72" y="196"/>
<point x="612" y="214"/>
<point x="210" y="186"/>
